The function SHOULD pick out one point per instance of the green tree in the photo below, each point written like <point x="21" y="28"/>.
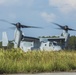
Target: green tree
<point x="72" y="43"/>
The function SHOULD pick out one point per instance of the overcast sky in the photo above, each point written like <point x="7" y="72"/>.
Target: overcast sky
<point x="38" y="13"/>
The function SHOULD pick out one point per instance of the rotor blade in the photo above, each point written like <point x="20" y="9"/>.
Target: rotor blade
<point x="15" y="24"/>
<point x="4" y="20"/>
<point x="64" y="27"/>
<point x="13" y="28"/>
<point x="24" y="26"/>
<point x="71" y="29"/>
<point x="7" y="22"/>
<point x="58" y="25"/>
<point x="58" y="28"/>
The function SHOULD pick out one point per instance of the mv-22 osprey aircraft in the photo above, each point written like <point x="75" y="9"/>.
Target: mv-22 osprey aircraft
<point x="31" y="43"/>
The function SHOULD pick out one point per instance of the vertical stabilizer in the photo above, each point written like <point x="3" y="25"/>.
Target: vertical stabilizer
<point x="4" y="39"/>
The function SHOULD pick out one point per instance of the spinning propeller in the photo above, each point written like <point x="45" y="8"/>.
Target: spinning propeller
<point x="66" y="28"/>
<point x="19" y="25"/>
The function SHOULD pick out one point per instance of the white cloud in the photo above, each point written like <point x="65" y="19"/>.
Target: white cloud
<point x="48" y="17"/>
<point x="65" y="6"/>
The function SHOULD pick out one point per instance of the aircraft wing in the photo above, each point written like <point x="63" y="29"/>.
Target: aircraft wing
<point x="56" y="39"/>
<point x="27" y="38"/>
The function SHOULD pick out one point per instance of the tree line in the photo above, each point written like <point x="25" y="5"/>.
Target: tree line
<point x="72" y="43"/>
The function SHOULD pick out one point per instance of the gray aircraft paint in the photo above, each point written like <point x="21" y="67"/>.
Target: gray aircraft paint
<point x="17" y="37"/>
<point x="50" y="46"/>
<point x="66" y="36"/>
<point x="40" y="44"/>
<point x="25" y="46"/>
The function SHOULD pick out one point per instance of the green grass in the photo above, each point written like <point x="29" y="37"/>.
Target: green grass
<point x="17" y="61"/>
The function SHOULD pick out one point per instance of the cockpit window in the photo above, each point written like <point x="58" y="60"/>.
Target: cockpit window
<point x="54" y="43"/>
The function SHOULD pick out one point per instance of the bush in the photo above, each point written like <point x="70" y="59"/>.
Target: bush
<point x="17" y="61"/>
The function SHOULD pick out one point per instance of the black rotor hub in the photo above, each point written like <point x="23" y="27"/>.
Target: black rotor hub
<point x="66" y="27"/>
<point x="18" y="25"/>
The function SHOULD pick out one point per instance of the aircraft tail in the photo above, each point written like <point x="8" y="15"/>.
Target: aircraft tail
<point x="4" y="39"/>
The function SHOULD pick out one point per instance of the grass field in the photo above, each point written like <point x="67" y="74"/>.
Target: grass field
<point x="16" y="61"/>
